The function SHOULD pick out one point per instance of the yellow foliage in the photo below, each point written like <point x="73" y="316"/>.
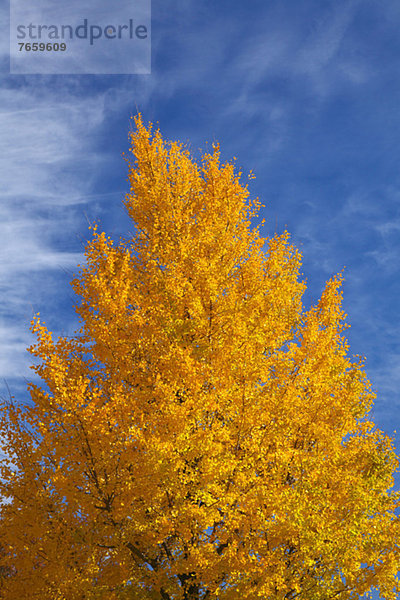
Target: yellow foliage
<point x="201" y="435"/>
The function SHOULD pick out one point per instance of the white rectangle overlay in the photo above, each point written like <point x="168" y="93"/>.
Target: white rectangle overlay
<point x="80" y="37"/>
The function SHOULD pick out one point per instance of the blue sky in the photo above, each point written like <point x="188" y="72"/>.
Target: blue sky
<point x="305" y="93"/>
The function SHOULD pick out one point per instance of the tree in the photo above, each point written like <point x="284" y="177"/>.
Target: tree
<point x="201" y="435"/>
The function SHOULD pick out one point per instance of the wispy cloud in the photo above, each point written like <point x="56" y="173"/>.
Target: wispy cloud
<point x="47" y="167"/>
<point x="325" y="36"/>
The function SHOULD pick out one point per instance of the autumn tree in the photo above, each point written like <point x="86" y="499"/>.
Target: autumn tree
<point x="202" y="435"/>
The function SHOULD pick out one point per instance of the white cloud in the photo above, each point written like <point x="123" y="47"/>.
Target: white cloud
<point x="42" y="135"/>
<point x="47" y="165"/>
<point x="326" y="37"/>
